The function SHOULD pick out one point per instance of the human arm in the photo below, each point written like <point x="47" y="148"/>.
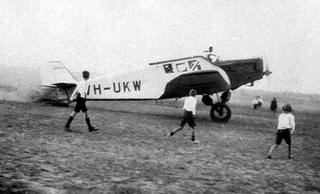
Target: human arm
<point x="292" y="124"/>
<point x="75" y="92"/>
<point x="194" y="104"/>
<point x="194" y="113"/>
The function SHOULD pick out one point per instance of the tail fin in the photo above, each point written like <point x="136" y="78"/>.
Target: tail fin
<point x="54" y="73"/>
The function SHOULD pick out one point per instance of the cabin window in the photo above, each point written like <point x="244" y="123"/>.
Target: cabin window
<point x="168" y="68"/>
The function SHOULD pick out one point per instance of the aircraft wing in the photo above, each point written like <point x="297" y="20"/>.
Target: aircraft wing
<point x="204" y="82"/>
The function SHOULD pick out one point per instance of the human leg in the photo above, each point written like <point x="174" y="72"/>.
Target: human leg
<point x="82" y="106"/>
<point x="86" y="114"/>
<point x="289" y="151"/>
<point x="279" y="137"/>
<point x="73" y="114"/>
<point x="271" y="150"/>
<point x="288" y="141"/>
<point x="175" y="130"/>
<point x="193" y="132"/>
<point x="71" y="117"/>
<point x="179" y="128"/>
<point x="90" y="127"/>
<point x="192" y="125"/>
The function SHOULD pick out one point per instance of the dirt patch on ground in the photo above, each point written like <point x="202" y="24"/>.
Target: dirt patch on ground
<point x="131" y="154"/>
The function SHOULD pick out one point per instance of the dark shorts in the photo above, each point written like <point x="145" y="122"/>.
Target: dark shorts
<point x="81" y="105"/>
<point x="283" y="134"/>
<point x="187" y="118"/>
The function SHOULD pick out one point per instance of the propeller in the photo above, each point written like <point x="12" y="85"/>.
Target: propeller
<point x="267" y="72"/>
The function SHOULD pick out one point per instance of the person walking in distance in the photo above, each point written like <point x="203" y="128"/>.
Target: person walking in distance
<point x="273" y="105"/>
<point x="286" y="126"/>
<point x="189" y="113"/>
<point x="257" y="102"/>
<point x="79" y="95"/>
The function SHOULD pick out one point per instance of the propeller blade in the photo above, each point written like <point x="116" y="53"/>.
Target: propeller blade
<point x="267" y="72"/>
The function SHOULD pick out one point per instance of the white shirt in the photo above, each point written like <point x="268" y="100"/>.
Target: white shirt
<point x="190" y="104"/>
<point x="286" y="121"/>
<point x="81" y="89"/>
<point x="256" y="101"/>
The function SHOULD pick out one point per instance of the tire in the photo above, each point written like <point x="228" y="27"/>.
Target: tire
<point x="207" y="100"/>
<point x="220" y="112"/>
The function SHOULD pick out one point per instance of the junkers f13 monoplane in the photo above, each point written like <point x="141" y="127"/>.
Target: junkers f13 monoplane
<point x="208" y="75"/>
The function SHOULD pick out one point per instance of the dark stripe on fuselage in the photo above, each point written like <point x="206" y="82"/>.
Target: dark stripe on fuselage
<point x="204" y="82"/>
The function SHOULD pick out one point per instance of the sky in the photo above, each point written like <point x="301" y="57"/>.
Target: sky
<point x="111" y="36"/>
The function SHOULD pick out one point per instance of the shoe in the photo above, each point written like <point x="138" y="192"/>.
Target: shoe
<point x="68" y="129"/>
<point x="93" y="129"/>
<point x="169" y="135"/>
<point x="195" y="141"/>
<point x="290" y="157"/>
<point x="269" y="157"/>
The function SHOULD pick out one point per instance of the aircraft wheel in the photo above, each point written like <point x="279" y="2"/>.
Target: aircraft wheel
<point x="220" y="112"/>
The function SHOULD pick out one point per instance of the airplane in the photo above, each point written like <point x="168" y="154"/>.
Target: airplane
<point x="163" y="80"/>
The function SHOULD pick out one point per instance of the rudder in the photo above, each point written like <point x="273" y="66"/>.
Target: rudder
<point x="54" y="72"/>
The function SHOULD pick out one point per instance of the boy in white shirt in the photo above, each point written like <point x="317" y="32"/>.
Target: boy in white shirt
<point x="286" y="126"/>
<point x="79" y="95"/>
<point x="189" y="113"/>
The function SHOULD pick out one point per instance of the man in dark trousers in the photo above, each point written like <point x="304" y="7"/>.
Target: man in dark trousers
<point x="79" y="95"/>
<point x="189" y="113"/>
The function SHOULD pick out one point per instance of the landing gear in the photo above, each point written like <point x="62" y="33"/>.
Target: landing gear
<point x="220" y="112"/>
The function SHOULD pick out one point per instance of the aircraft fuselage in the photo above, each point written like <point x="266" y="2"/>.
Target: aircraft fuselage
<point x="153" y="81"/>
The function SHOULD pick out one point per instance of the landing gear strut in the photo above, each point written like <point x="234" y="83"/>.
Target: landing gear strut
<point x="220" y="112"/>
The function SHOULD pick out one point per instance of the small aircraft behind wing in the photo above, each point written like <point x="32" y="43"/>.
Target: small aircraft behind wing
<point x="163" y="80"/>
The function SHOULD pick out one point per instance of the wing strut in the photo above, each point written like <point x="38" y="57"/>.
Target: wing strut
<point x="65" y="90"/>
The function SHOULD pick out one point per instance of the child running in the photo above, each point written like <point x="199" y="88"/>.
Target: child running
<point x="189" y="113"/>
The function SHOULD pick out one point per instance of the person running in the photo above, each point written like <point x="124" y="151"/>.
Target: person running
<point x="79" y="95"/>
<point x="286" y="126"/>
<point x="189" y="113"/>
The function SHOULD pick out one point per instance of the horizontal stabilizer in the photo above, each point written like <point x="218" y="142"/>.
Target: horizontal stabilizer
<point x="65" y="85"/>
<point x="49" y="86"/>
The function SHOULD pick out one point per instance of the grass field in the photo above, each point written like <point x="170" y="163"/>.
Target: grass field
<point x="131" y="153"/>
